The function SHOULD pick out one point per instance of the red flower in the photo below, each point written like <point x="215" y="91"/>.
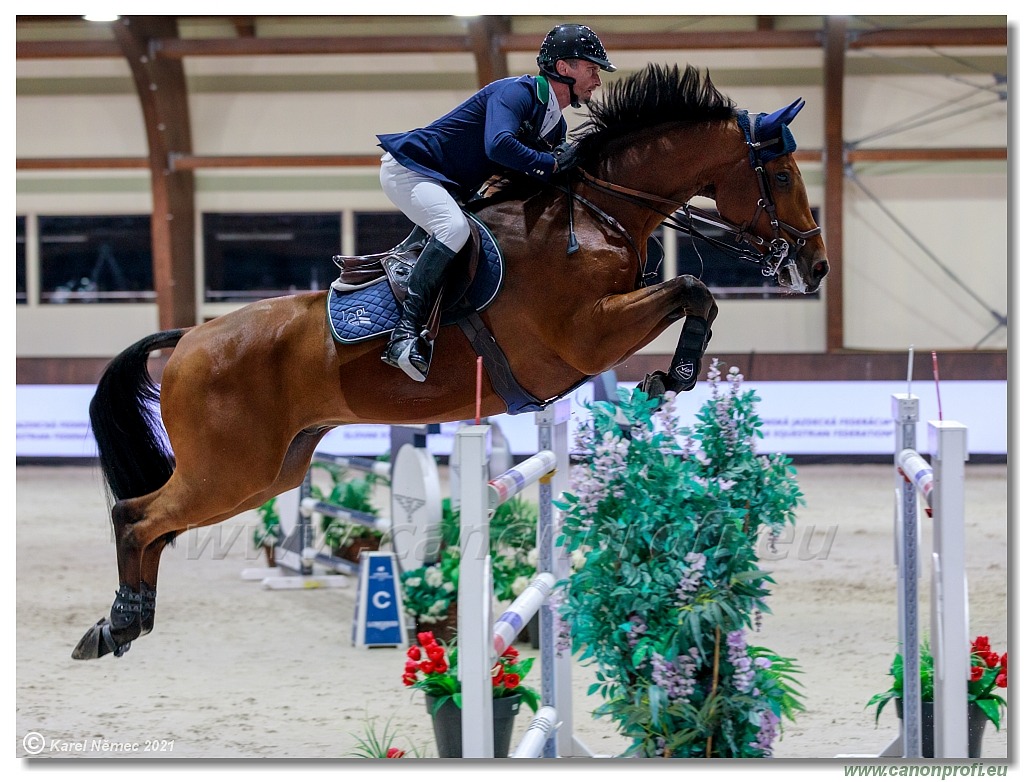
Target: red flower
<point x="980" y="644"/>
<point x="1002" y="661"/>
<point x="991" y="659"/>
<point x="426" y="638"/>
<point x="511" y="653"/>
<point x="440" y="666"/>
<point x="413" y="653"/>
<point x="395" y="752"/>
<point x="976" y="672"/>
<point x="512" y="680"/>
<point x="427" y="666"/>
<point x="435" y="653"/>
<point x="1001" y="679"/>
<point x="497" y="674"/>
<point x="408" y="679"/>
<point x="411" y="666"/>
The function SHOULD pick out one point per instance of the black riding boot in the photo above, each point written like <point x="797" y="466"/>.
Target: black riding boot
<point x="409" y="349"/>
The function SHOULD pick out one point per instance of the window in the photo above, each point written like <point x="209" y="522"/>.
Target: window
<point x="20" y="261"/>
<point x="256" y="256"/>
<point x="378" y="232"/>
<point x="727" y="277"/>
<point x="90" y="259"/>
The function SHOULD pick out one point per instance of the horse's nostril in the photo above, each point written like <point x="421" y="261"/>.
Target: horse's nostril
<point x="820" y="269"/>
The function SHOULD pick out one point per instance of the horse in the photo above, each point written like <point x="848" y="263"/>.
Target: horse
<point x="246" y="397"/>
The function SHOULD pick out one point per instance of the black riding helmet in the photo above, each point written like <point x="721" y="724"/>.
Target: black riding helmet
<point x="569" y="42"/>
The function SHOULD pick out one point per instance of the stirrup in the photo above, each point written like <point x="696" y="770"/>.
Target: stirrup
<point x="402" y="360"/>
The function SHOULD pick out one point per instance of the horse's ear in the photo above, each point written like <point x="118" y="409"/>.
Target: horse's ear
<point x="781" y="117"/>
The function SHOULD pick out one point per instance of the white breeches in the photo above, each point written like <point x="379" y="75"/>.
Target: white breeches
<point x="424" y="201"/>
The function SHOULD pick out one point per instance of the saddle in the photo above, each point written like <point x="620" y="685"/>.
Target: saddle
<point x="378" y="286"/>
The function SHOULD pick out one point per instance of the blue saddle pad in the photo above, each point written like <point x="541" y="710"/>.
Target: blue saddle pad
<point x="363" y="314"/>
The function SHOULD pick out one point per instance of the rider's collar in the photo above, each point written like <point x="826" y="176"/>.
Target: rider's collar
<point x="543" y="89"/>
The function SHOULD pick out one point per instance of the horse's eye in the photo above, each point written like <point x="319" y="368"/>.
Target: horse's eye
<point x="782" y="178"/>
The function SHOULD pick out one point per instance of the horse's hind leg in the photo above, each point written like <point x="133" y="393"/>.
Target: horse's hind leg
<point x="134" y="606"/>
<point x="293" y="471"/>
<point x="139" y="526"/>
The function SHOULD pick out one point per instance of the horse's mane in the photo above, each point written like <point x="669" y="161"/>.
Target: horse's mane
<point x="652" y="96"/>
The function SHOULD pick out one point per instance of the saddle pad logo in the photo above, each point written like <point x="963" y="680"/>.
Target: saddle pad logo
<point x="356" y="316"/>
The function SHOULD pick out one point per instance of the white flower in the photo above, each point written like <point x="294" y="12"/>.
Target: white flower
<point x="434" y="577"/>
<point x="519" y="585"/>
<point x="532" y="557"/>
<point x="577" y="559"/>
<point x="438" y="608"/>
<point x="413" y="582"/>
<point x="448" y="586"/>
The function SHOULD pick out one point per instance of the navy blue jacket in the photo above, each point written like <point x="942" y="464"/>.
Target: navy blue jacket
<point x="495" y="129"/>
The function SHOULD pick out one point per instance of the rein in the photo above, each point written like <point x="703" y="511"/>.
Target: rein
<point x="777" y="248"/>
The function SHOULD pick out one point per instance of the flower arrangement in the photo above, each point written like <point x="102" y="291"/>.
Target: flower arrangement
<point x="432" y="666"/>
<point x="988" y="673"/>
<point x="268" y="534"/>
<point x="669" y="520"/>
<point x="354" y="494"/>
<point x="514" y="546"/>
<point x="429" y="591"/>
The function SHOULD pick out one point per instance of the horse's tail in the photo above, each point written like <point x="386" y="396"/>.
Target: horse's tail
<point x="125" y="418"/>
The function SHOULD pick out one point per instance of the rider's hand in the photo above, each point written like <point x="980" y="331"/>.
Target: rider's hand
<point x="566" y="156"/>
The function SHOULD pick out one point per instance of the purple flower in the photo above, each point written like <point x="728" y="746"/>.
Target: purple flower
<point x="743" y="669"/>
<point x="766" y="735"/>
<point x="691" y="576"/>
<point x="638" y="627"/>
<point x="674" y="676"/>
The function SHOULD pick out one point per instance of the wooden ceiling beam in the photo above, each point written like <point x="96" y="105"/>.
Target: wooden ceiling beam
<point x="181" y="162"/>
<point x="923" y="36"/>
<point x="160" y="85"/>
<point x="484" y="35"/>
<point x="834" y="163"/>
<point x="179" y="48"/>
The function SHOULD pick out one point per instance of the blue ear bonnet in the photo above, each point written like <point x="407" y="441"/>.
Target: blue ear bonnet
<point x="770" y="137"/>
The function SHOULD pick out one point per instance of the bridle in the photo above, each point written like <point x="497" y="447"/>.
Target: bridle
<point x="776" y="256"/>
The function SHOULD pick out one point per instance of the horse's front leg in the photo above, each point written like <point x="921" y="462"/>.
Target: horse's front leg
<point x="620" y="324"/>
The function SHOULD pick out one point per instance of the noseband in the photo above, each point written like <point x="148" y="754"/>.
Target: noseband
<point x="769" y="254"/>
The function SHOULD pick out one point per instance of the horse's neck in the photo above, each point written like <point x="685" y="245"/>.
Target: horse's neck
<point x="673" y="162"/>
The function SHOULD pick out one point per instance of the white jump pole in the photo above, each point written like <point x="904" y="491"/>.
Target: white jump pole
<point x="475" y="637"/>
<point x="951" y="645"/>
<point x="541" y="727"/>
<point x="941" y="486"/>
<point x="905" y="412"/>
<point x="556" y="670"/>
<point x="480" y="639"/>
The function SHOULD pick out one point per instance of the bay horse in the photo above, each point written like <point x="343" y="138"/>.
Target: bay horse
<point x="246" y="397"/>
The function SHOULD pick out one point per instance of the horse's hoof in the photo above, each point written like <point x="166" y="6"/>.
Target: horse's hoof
<point x="657" y="384"/>
<point x="97" y="642"/>
<point x="653" y="385"/>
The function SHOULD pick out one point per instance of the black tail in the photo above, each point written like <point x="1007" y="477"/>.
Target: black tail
<point x="125" y="418"/>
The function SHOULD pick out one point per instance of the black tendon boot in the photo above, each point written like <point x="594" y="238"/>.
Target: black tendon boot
<point x="684" y="371"/>
<point x="409" y="349"/>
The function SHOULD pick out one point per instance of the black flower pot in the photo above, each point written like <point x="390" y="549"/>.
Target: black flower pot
<point x="448" y="725"/>
<point x="976" y="720"/>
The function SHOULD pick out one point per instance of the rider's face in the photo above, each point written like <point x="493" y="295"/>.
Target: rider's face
<point x="587" y="76"/>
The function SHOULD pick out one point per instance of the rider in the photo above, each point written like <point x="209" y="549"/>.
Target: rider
<point x="513" y="123"/>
